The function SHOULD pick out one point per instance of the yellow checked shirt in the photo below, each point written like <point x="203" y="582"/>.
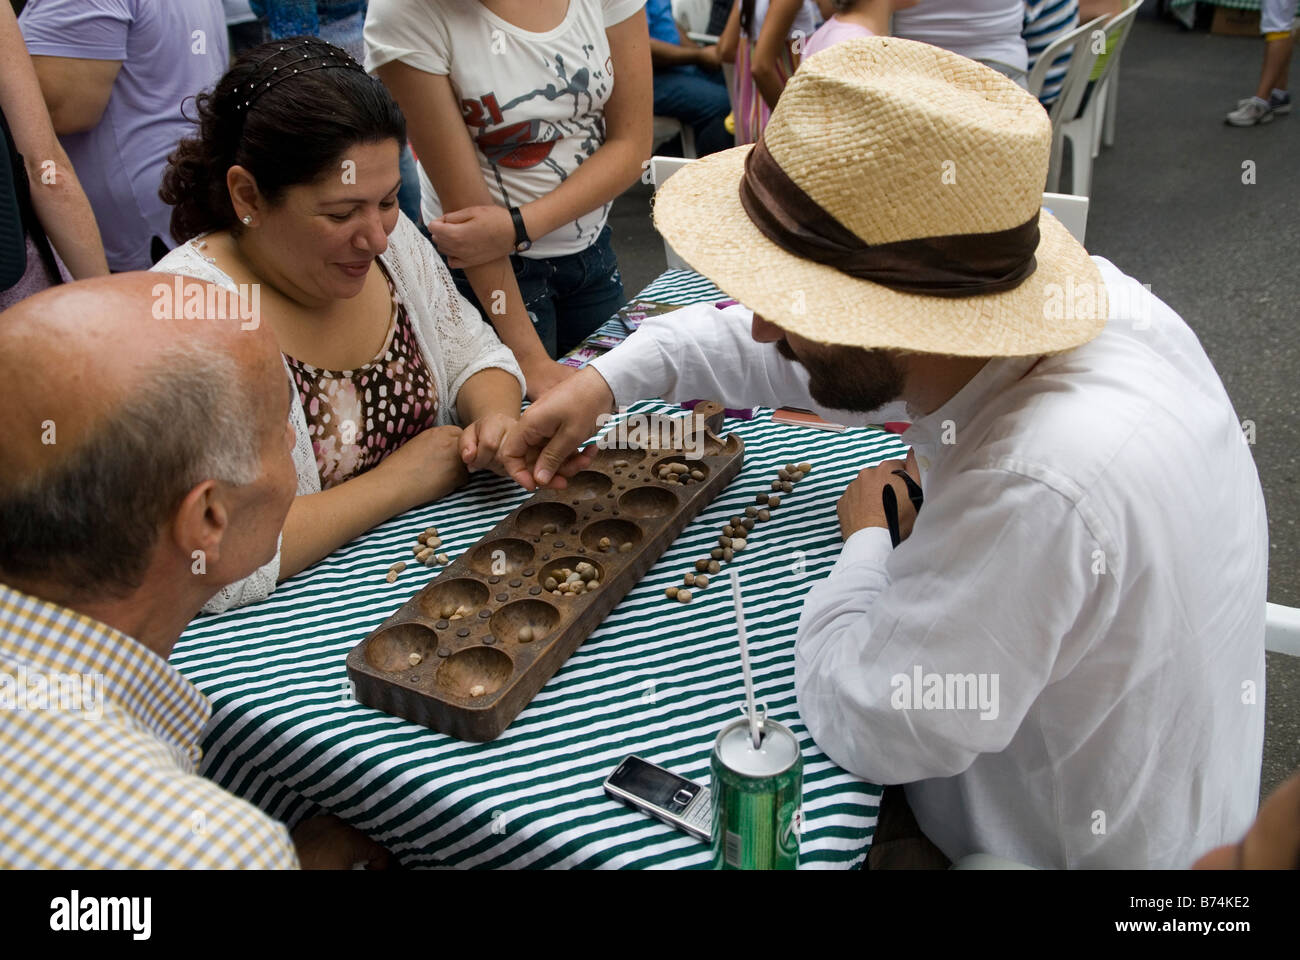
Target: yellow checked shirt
<point x="99" y="741"/>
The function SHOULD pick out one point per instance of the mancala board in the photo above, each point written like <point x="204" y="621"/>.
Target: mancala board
<point x="469" y="677"/>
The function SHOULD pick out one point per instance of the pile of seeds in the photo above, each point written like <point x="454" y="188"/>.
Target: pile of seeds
<point x="572" y="581"/>
<point x="455" y="611"/>
<point x="425" y="548"/>
<point x="679" y="473"/>
<point x="736" y="533"/>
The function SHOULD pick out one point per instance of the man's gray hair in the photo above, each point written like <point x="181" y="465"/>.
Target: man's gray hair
<point x="89" y="523"/>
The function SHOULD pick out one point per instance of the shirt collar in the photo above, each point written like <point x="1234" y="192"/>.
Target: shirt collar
<point x="50" y="638"/>
<point x="994" y="377"/>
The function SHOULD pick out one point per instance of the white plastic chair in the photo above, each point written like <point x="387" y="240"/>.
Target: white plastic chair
<point x="1282" y="629"/>
<point x="665" y="128"/>
<point x="1083" y="55"/>
<point x="1071" y="211"/>
<point x="693" y="15"/>
<point x="1110" y="98"/>
<point x="1083" y="131"/>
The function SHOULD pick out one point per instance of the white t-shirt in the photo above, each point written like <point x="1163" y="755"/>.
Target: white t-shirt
<point x="805" y="22"/>
<point x="979" y="29"/>
<point x="534" y="102"/>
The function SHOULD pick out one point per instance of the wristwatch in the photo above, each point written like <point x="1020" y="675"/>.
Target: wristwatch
<point x="522" y="242"/>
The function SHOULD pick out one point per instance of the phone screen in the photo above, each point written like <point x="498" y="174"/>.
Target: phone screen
<point x="653" y="784"/>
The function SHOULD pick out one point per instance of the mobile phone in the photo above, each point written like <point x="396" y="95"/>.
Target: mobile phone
<point x="651" y="789"/>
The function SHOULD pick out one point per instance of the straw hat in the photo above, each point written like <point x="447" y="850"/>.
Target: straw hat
<point x="876" y="142"/>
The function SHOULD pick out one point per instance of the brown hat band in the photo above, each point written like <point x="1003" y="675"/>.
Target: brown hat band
<point x="959" y="265"/>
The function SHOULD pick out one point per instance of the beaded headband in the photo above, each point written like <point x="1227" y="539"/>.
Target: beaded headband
<point x="329" y="56"/>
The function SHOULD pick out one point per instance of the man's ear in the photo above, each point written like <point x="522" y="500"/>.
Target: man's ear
<point x="200" y="525"/>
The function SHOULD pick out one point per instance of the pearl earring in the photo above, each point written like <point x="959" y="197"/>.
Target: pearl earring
<point x="247" y="221"/>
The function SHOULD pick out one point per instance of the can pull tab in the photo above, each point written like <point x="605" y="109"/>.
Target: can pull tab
<point x="760" y="710"/>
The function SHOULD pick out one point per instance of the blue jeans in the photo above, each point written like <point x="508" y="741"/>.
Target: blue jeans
<point x="408" y="197"/>
<point x="698" y="98"/>
<point x="567" y="297"/>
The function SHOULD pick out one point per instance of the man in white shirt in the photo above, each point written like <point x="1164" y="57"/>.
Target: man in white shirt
<point x="1063" y="658"/>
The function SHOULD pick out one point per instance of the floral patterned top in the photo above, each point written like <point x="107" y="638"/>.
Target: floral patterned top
<point x="357" y="417"/>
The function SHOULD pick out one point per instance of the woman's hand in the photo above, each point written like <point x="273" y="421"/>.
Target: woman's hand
<point x="544" y="373"/>
<point x="427" y="467"/>
<point x="474" y="236"/>
<point x="481" y="439"/>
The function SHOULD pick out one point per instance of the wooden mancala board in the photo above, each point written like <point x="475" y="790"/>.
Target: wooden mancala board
<point x="469" y="677"/>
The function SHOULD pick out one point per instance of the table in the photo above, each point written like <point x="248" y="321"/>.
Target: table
<point x="657" y="678"/>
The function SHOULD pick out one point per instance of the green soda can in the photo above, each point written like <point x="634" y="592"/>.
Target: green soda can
<point x="756" y="797"/>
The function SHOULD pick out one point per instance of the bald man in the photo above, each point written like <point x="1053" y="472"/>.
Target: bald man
<point x="146" y="465"/>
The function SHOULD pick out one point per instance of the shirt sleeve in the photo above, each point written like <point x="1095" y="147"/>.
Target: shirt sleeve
<point x="412" y="32"/>
<point x="703" y="353"/>
<point x="616" y="11"/>
<point x="994" y="593"/>
<point x="74" y="28"/>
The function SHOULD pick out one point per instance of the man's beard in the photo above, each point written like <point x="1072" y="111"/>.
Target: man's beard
<point x="849" y="378"/>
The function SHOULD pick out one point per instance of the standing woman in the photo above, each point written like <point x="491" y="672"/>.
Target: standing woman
<point x="764" y="39"/>
<point x="529" y="117"/>
<point x="48" y="233"/>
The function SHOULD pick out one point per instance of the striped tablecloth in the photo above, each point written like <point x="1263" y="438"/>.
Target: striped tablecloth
<point x="657" y="678"/>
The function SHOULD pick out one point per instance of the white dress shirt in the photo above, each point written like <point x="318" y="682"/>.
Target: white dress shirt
<point x="1093" y="541"/>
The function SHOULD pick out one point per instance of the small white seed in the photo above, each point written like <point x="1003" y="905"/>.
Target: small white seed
<point x="477" y="690"/>
<point x="443" y="559"/>
<point x="525" y="634"/>
<point x="414" y="659"/>
<point x="739" y="545"/>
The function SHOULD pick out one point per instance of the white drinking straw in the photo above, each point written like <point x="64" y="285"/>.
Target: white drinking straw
<point x="744" y="658"/>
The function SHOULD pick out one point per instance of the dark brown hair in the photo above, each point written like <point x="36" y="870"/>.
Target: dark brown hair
<point x="289" y="133"/>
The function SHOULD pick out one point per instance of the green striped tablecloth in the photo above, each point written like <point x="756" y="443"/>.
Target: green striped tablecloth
<point x="657" y="678"/>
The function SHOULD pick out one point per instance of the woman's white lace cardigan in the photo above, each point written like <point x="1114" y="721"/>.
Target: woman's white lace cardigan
<point x="453" y="339"/>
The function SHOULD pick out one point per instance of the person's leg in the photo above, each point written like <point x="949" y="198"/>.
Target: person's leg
<point x="1277" y="64"/>
<point x="898" y="843"/>
<point x="1275" y="20"/>
<point x="589" y="290"/>
<point x="534" y="279"/>
<point x="694" y="98"/>
<point x="408" y="198"/>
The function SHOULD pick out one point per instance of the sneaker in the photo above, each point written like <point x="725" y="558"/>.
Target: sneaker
<point x="1249" y="112"/>
<point x="1280" y="101"/>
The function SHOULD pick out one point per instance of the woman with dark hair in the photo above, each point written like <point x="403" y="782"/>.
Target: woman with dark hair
<point x="288" y="194"/>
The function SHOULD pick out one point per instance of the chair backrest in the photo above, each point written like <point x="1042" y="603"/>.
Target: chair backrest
<point x="1083" y="55"/>
<point x="693" y="14"/>
<point x="1117" y="31"/>
<point x="1282" y="629"/>
<point x="1070" y="210"/>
